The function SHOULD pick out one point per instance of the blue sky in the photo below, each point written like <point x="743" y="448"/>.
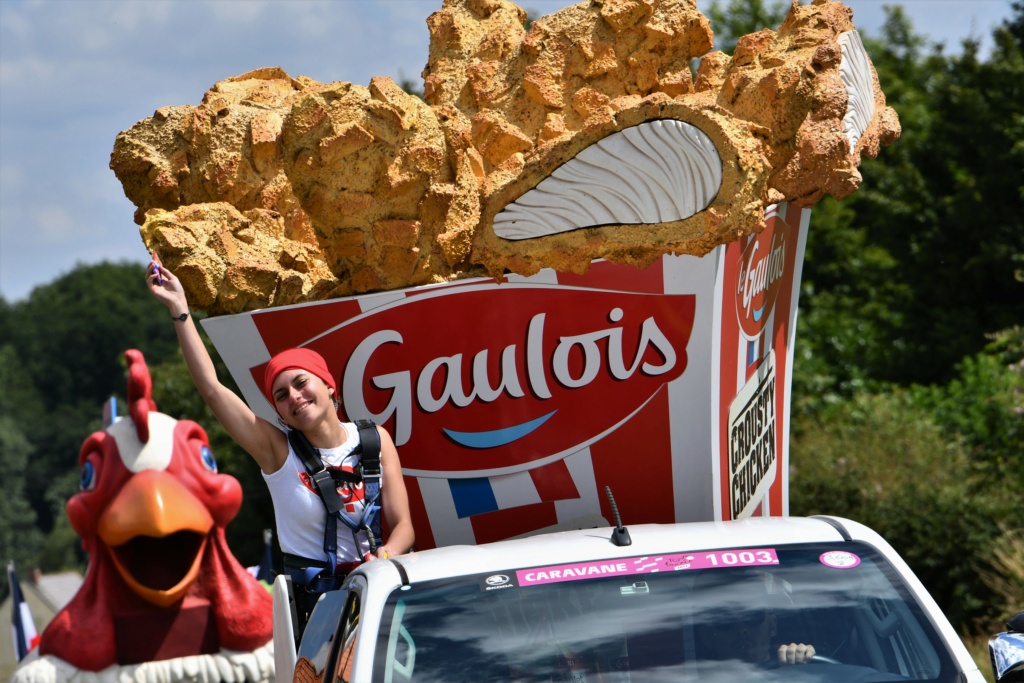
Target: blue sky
<point x="75" y="73"/>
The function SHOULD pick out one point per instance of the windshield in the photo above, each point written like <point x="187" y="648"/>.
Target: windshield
<point x="695" y="616"/>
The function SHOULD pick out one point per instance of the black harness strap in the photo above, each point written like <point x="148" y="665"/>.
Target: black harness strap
<point x="327" y="482"/>
<point x="369" y="444"/>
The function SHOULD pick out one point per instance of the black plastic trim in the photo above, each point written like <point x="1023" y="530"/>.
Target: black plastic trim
<point x="401" y="571"/>
<point x="835" y="524"/>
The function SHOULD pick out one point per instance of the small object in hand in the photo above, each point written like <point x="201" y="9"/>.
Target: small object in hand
<point x="156" y="270"/>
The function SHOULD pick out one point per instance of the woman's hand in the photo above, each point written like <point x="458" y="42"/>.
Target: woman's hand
<point x="165" y="287"/>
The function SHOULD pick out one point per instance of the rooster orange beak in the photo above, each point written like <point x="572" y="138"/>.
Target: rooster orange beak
<point x="157" y="532"/>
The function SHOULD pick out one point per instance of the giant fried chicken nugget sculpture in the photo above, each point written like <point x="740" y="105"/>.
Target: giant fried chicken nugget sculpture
<point x="585" y="137"/>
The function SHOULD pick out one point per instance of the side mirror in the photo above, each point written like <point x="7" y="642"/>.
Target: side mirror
<point x="1006" y="651"/>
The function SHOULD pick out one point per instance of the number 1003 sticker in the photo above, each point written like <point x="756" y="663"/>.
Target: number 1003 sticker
<point x="735" y="558"/>
<point x="747" y="557"/>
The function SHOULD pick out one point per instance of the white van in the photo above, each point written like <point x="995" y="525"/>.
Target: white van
<point x="708" y="601"/>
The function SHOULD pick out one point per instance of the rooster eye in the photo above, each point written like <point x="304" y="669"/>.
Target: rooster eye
<point x="87" y="481"/>
<point x="208" y="460"/>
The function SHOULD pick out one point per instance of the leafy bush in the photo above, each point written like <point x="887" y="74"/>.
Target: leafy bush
<point x="885" y="461"/>
<point x="984" y="405"/>
<point x="1006" y="574"/>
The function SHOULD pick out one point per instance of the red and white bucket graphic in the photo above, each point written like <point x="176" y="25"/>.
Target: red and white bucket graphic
<point x="514" y="404"/>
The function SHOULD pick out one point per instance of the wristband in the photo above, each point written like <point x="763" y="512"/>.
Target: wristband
<point x="180" y="318"/>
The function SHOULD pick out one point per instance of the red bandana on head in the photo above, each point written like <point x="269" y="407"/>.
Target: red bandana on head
<point x="305" y="359"/>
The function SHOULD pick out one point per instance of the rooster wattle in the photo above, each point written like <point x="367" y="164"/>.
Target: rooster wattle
<point x="163" y="598"/>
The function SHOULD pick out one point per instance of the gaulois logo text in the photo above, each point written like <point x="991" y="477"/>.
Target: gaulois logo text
<point x="763" y="263"/>
<point x="561" y="368"/>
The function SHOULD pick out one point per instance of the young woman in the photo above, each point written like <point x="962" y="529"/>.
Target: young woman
<point x="302" y="390"/>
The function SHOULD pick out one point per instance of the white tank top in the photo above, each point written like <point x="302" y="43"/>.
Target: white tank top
<point x="300" y="514"/>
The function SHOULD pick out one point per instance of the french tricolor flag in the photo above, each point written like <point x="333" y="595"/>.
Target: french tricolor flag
<point x="22" y="627"/>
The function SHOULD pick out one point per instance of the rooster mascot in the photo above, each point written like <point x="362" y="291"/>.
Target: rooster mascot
<point x="163" y="598"/>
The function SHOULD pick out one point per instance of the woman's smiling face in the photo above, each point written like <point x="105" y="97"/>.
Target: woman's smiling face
<point x="300" y="397"/>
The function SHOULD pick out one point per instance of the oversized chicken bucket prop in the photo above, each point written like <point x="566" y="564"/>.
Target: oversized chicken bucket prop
<point x="514" y="404"/>
<point x="573" y="265"/>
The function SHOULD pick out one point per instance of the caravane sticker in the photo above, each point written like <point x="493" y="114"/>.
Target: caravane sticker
<point x="561" y="367"/>
<point x="648" y="564"/>
<point x="752" y="443"/>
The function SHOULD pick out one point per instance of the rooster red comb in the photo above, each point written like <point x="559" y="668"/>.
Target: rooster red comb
<point x="140" y="393"/>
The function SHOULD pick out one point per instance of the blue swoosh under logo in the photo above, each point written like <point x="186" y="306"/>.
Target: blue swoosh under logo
<point x="497" y="437"/>
<point x="758" y="313"/>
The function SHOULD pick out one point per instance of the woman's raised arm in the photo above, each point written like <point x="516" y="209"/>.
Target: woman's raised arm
<point x="260" y="439"/>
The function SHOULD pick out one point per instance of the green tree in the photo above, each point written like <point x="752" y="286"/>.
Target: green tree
<point x="984" y="407"/>
<point x="849" y="308"/>
<point x="20" y="540"/>
<point x="72" y="333"/>
<point x="5" y="321"/>
<point x="69" y="338"/>
<point x="62" y="549"/>
<point x="919" y="265"/>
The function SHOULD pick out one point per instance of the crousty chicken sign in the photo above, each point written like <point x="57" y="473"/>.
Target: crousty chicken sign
<point x="514" y="403"/>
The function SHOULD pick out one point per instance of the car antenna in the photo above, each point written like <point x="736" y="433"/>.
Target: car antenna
<point x="620" y="535"/>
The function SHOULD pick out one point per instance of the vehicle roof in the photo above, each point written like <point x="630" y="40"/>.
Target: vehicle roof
<point x="595" y="544"/>
<point x="648" y="540"/>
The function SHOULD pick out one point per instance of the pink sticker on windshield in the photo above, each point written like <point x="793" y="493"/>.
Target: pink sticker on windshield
<point x="839" y="559"/>
<point x="647" y="564"/>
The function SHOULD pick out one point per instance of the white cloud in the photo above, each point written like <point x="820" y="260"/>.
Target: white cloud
<point x="149" y="15"/>
<point x="246" y="12"/>
<point x="54" y="223"/>
<point x="12" y="179"/>
<point x="28" y="70"/>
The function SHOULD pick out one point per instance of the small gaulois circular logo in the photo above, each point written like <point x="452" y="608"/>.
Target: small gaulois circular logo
<point x="839" y="559"/>
<point x="496" y="580"/>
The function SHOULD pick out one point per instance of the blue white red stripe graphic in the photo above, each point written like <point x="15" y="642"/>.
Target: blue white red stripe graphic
<point x="23" y="628"/>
